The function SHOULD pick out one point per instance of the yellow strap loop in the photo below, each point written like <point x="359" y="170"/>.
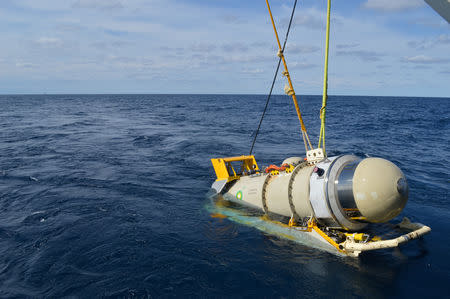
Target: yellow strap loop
<point x="325" y="84"/>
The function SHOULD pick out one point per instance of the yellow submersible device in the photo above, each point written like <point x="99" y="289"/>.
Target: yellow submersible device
<point x="329" y="201"/>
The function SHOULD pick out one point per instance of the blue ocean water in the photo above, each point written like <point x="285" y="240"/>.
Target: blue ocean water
<point x="105" y="195"/>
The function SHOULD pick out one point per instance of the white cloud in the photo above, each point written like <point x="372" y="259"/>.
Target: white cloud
<point x="44" y="5"/>
<point x="201" y="47"/>
<point x="98" y="4"/>
<point x="302" y="49"/>
<point x="423" y="59"/>
<point x="430" y="22"/>
<point x="427" y="43"/>
<point x="309" y="21"/>
<point x="347" y="46"/>
<point x="252" y="71"/>
<point x="392" y="5"/>
<point x="361" y="54"/>
<point x="49" y="41"/>
<point x="232" y="19"/>
<point x="145" y="43"/>
<point x="301" y="65"/>
<point x="444" y="39"/>
<point x="235" y="47"/>
<point x="26" y="65"/>
<point x="306" y="17"/>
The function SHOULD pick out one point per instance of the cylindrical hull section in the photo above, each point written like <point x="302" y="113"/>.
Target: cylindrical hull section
<point x="300" y="191"/>
<point x="248" y="191"/>
<point x="285" y="194"/>
<point x="277" y="195"/>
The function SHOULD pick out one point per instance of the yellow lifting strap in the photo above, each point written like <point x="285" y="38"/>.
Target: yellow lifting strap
<point x="290" y="89"/>
<point x="325" y="84"/>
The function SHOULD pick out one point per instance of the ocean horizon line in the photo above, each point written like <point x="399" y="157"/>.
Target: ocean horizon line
<point x="214" y="94"/>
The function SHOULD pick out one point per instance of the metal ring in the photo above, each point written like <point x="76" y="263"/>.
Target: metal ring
<point x="332" y="197"/>
<point x="344" y="184"/>
<point x="263" y="193"/>
<point x="291" y="181"/>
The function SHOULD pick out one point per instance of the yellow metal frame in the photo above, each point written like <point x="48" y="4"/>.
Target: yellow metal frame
<point x="329" y="240"/>
<point x="311" y="226"/>
<point x="225" y="171"/>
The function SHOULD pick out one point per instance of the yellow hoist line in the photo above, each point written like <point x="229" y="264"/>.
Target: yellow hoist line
<point x="325" y="84"/>
<point x="290" y="90"/>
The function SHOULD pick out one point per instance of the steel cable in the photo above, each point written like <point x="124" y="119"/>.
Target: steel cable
<point x="274" y="79"/>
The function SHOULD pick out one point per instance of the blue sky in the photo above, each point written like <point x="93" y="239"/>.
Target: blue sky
<point x="378" y="47"/>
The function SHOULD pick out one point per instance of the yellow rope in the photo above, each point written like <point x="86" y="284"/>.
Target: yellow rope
<point x="286" y="73"/>
<point x="325" y="84"/>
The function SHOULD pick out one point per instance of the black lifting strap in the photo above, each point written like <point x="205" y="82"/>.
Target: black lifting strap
<point x="274" y="79"/>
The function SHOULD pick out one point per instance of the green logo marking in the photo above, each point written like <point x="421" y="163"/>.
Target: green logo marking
<point x="239" y="195"/>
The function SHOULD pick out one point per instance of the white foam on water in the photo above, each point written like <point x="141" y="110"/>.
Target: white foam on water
<point x="309" y="239"/>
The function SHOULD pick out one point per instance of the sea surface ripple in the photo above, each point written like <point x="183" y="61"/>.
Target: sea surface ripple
<point x="105" y="195"/>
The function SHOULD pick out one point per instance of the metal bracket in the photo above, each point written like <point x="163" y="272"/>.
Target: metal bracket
<point x="314" y="156"/>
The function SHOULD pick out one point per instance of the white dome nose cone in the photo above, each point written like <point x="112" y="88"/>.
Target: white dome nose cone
<point x="380" y="189"/>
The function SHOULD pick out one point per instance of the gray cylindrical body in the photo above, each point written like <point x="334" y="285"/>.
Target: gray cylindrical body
<point x="292" y="186"/>
<point x="346" y="191"/>
<point x="284" y="194"/>
<point x="248" y="190"/>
